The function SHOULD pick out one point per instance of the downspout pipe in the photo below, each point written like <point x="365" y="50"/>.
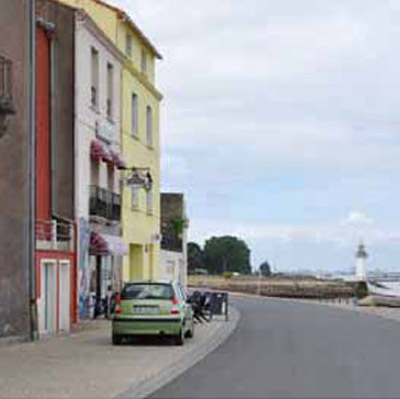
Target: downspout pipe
<point x="32" y="172"/>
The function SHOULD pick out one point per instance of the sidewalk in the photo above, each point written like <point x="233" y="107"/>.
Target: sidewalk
<point x="86" y="365"/>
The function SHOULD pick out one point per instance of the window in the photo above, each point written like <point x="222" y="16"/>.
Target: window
<point x="135" y="115"/>
<point x="135" y="197"/>
<point x="128" y="45"/>
<point x="94" y="100"/>
<point x="94" y="173"/>
<point x="110" y="179"/>
<point x="149" y="201"/>
<point x="144" y="61"/>
<point x="149" y="126"/>
<point x="148" y="291"/>
<point x="110" y="90"/>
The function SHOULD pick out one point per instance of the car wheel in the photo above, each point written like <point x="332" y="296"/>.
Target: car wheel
<point x="116" y="339"/>
<point x="180" y="338"/>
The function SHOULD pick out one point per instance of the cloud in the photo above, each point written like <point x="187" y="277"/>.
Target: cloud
<point x="281" y="116"/>
<point x="357" y="218"/>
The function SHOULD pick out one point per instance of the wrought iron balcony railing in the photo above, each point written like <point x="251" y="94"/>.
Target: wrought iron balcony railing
<point x="104" y="204"/>
<point x="115" y="207"/>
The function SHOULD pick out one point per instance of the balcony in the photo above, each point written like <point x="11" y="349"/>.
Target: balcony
<point x="55" y="235"/>
<point x="115" y="207"/>
<point x="104" y="204"/>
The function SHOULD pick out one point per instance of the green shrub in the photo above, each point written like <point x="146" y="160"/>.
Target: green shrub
<point x="361" y="290"/>
<point x="227" y="275"/>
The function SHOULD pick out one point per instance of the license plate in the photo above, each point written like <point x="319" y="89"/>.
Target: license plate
<point x="145" y="309"/>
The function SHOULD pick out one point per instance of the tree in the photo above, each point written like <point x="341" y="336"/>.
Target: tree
<point x="265" y="269"/>
<point x="195" y="257"/>
<point x="227" y="253"/>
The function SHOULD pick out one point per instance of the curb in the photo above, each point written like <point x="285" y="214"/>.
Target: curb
<point x="149" y="385"/>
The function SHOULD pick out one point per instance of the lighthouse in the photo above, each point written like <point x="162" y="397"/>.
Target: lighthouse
<point x="361" y="263"/>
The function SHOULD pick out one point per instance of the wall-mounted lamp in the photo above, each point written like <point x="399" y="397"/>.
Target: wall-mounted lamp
<point x="139" y="177"/>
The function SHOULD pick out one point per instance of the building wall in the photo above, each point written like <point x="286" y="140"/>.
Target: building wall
<point x="43" y="173"/>
<point x="14" y="201"/>
<point x="55" y="161"/>
<point x="109" y="20"/>
<point x="63" y="167"/>
<point x="103" y="16"/>
<point x="140" y="227"/>
<point x="172" y="266"/>
<point x="174" y="244"/>
<point x="87" y="118"/>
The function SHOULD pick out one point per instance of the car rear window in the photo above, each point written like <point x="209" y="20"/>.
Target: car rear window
<point x="148" y="291"/>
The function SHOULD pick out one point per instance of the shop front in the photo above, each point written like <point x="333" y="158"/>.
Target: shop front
<point x="105" y="259"/>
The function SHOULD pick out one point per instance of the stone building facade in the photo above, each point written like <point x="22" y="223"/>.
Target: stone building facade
<point x="16" y="267"/>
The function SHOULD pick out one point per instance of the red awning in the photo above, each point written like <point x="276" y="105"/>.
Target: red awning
<point x="98" y="245"/>
<point x="99" y="151"/>
<point x="118" y="160"/>
<point x="108" y="158"/>
<point x="96" y="150"/>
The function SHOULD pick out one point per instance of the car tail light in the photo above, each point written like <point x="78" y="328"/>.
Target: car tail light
<point x="118" y="304"/>
<point x="175" y="300"/>
<point x="175" y="310"/>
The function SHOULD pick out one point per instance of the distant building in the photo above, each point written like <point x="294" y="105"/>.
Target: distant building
<point x="174" y="232"/>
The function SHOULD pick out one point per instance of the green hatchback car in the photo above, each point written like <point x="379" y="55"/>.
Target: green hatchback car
<point x="152" y="308"/>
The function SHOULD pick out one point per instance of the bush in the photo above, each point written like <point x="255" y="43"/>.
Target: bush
<point x="227" y="275"/>
<point x="361" y="290"/>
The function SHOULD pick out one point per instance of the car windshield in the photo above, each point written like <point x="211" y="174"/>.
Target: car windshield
<point x="148" y="291"/>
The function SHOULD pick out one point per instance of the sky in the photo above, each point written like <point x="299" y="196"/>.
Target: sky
<point x="281" y="124"/>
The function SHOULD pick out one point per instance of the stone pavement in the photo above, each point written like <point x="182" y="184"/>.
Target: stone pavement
<point x="86" y="365"/>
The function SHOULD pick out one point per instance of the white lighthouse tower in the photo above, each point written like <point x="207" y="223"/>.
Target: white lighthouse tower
<point x="361" y="263"/>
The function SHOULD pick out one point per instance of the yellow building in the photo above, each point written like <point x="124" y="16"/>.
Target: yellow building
<point x="140" y="104"/>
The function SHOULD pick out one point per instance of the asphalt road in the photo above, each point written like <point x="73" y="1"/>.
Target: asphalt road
<point x="287" y="349"/>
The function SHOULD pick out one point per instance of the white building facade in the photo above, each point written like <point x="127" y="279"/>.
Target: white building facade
<point x="99" y="165"/>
